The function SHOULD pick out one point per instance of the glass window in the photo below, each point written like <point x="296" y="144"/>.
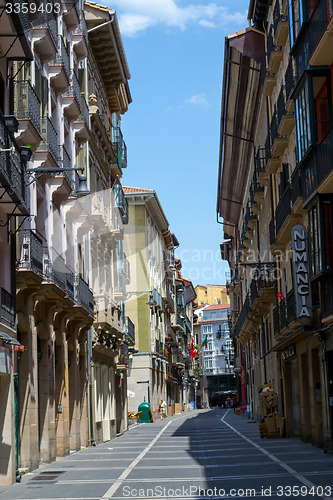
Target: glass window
<point x="322" y="106"/>
<point x="328" y="233"/>
<point x="302" y="118"/>
<point x="314" y="240"/>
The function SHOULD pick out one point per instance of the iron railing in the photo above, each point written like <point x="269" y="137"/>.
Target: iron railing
<point x="46" y="19"/>
<point x="243" y="315"/>
<point x="7" y="308"/>
<point x="281" y="104"/>
<point x="83" y="295"/>
<point x="274" y="126"/>
<point x="283" y="209"/>
<point x="312" y="33"/>
<point x="74" y="89"/>
<point x="268" y="153"/>
<point x="11" y="167"/>
<point x="56" y="271"/>
<point x="85" y="111"/>
<point x="49" y="138"/>
<point x="31" y="252"/>
<point x="27" y="103"/>
<point x="120" y="147"/>
<point x="285" y="312"/>
<point x="65" y="161"/>
<point x="121" y="202"/>
<point x="289" y="78"/>
<point x="130" y="331"/>
<point x="317" y="166"/>
<point x="295" y="185"/>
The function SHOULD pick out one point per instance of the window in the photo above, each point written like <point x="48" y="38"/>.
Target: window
<point x="321" y="236"/>
<point x="207" y="329"/>
<point x="313" y="111"/>
<point x="302" y="118"/>
<point x="299" y="11"/>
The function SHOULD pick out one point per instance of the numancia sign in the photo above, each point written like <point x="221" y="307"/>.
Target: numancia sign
<point x="302" y="283"/>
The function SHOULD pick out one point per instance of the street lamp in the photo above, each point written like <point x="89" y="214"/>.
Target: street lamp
<point x="82" y="188"/>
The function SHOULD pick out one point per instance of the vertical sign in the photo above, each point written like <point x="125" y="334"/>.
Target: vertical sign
<point x="301" y="273"/>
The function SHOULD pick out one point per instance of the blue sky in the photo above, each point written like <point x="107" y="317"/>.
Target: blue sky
<point x="175" y="51"/>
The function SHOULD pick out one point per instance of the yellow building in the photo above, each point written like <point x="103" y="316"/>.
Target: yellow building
<point x="212" y="294"/>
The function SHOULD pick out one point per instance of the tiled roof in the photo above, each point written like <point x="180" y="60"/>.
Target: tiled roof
<point x="217" y="307"/>
<point x="128" y="189"/>
<point x="97" y="6"/>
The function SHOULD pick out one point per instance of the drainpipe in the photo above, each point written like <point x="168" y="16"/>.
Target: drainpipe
<point x="90" y="365"/>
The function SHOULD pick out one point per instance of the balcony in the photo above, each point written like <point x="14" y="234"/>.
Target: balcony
<point x="7" y="309"/>
<point x="71" y="99"/>
<point x="118" y="225"/>
<point x="168" y="300"/>
<point x="123" y="357"/>
<point x="31" y="256"/>
<point x="47" y="154"/>
<point x="313" y="46"/>
<point x="177" y="359"/>
<point x="84" y="296"/>
<point x="130" y="334"/>
<point x="59" y="68"/>
<point x="268" y="80"/>
<point x="296" y="194"/>
<point x="280" y="25"/>
<point x="258" y="300"/>
<point x="316" y="170"/>
<point x="57" y="273"/>
<point x="44" y="34"/>
<point x="285" y="219"/>
<point x="274" y="53"/>
<point x="71" y="13"/>
<point x="12" y="182"/>
<point x="284" y="314"/>
<point x="81" y="124"/>
<point x="120" y="285"/>
<point x="279" y="143"/>
<point x="188" y="323"/>
<point x="262" y="175"/>
<point x="273" y="163"/>
<point x="80" y="38"/>
<point x="121" y="202"/>
<point x="120" y="150"/>
<point x="286" y="121"/>
<point x="27" y="111"/>
<point x="290" y="82"/>
<point x="326" y="282"/>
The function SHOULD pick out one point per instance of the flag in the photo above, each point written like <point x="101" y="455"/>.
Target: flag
<point x="192" y="349"/>
<point x="204" y="342"/>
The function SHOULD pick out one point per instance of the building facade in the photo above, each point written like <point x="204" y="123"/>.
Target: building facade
<point x="64" y="332"/>
<point x="278" y="220"/>
<point x="159" y="304"/>
<point x="218" y="378"/>
<point x="211" y="294"/>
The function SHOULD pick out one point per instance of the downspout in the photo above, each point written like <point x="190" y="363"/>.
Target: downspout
<point x="90" y="365"/>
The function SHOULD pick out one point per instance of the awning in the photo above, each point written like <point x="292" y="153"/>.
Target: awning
<point x="7" y="339"/>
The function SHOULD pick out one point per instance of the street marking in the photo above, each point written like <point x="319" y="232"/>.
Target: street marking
<point x="111" y="491"/>
<point x="275" y="459"/>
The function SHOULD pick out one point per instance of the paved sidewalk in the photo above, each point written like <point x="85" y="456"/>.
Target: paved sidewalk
<point x="201" y="454"/>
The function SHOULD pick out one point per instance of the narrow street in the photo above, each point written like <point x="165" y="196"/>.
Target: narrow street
<point x="199" y="454"/>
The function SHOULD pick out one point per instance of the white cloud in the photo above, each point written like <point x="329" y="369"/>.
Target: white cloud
<point x="138" y="15"/>
<point x="198" y="100"/>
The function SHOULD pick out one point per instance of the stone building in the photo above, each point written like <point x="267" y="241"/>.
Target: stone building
<point x="278" y="217"/>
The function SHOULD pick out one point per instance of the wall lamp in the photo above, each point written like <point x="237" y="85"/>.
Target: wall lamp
<point x="151" y="302"/>
<point x="82" y="188"/>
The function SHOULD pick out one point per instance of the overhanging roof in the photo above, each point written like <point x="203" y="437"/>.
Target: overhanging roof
<point x="107" y="46"/>
<point x="244" y="53"/>
<point x="258" y="10"/>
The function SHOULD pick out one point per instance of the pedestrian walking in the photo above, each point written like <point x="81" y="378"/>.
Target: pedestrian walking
<point x="234" y="400"/>
<point x="162" y="408"/>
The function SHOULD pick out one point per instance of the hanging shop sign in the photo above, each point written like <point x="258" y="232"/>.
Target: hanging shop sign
<point x="288" y="353"/>
<point x="302" y="283"/>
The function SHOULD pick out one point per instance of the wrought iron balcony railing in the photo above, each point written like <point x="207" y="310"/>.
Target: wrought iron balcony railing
<point x="27" y="103"/>
<point x="295" y="185"/>
<point x="31" y="258"/>
<point x="65" y="162"/>
<point x="11" y="167"/>
<point x="130" y="331"/>
<point x="46" y="19"/>
<point x="310" y="36"/>
<point x="57" y="272"/>
<point x="49" y="138"/>
<point x="62" y="56"/>
<point x="120" y="147"/>
<point x="7" y="309"/>
<point x="281" y="104"/>
<point x="283" y="209"/>
<point x="83" y="295"/>
<point x="289" y="78"/>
